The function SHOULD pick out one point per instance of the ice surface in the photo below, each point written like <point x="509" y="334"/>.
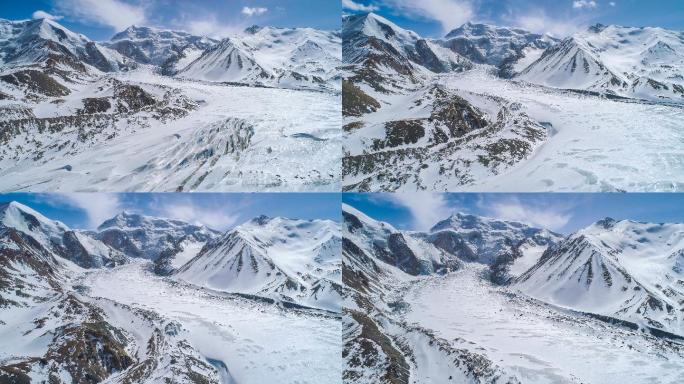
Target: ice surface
<point x="256" y="342"/>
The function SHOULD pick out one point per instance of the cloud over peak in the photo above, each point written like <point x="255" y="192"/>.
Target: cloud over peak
<point x="353" y="6"/>
<point x="40" y="14"/>
<point x="449" y="13"/>
<point x="254" y="11"/>
<point x="113" y="13"/>
<point x="580" y="4"/>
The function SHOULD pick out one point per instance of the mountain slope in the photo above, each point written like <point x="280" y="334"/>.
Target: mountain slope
<point x="483" y="239"/>
<point x="406" y="130"/>
<point x="508" y="49"/>
<point x="289" y="260"/>
<point x="135" y="326"/>
<point x="169" y="243"/>
<point x="279" y="57"/>
<point x="57" y="238"/>
<point x="170" y="50"/>
<point x="47" y="44"/>
<point x="388" y="58"/>
<point x="642" y="63"/>
<point x="625" y="269"/>
<point x="225" y="62"/>
<point x="379" y="347"/>
<point x="463" y="327"/>
<point x="47" y="324"/>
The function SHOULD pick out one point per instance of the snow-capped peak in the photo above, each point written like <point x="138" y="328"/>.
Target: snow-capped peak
<point x="276" y="257"/>
<point x="625" y="269"/>
<point x="132" y="220"/>
<point x="461" y="220"/>
<point x="379" y="27"/>
<point x="25" y="219"/>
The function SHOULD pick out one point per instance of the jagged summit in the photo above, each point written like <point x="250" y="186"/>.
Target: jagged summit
<point x="286" y="259"/>
<point x="253" y="29"/>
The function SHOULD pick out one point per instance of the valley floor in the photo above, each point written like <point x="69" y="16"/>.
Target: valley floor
<point x="534" y="342"/>
<point x="594" y="145"/>
<point x="255" y="342"/>
<point x="296" y="145"/>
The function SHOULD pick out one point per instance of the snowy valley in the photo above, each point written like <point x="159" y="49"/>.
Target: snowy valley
<point x="480" y="300"/>
<point x="485" y="107"/>
<point x="161" y="110"/>
<point x="152" y="300"/>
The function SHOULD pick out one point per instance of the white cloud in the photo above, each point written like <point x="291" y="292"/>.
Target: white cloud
<point x="540" y="22"/>
<point x="426" y="208"/>
<point x="254" y="11"/>
<point x="612" y="3"/>
<point x="97" y="206"/>
<point x="200" y="215"/>
<point x="548" y="217"/>
<point x="209" y="26"/>
<point x="39" y="14"/>
<point x="449" y="13"/>
<point x="579" y="4"/>
<point x="112" y="13"/>
<point x="351" y="5"/>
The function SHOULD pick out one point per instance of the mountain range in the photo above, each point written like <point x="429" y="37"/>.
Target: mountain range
<point x="66" y="100"/>
<point x="466" y="110"/>
<point x="66" y="292"/>
<point x="453" y="303"/>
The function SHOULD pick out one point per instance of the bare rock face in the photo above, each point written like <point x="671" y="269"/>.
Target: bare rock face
<point x="455" y="137"/>
<point x="132" y="98"/>
<point x="92" y="105"/>
<point x="355" y="102"/>
<point x="36" y="81"/>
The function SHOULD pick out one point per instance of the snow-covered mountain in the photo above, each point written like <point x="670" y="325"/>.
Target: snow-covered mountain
<point x="281" y="57"/>
<point x="125" y="114"/>
<point x="137" y="326"/>
<point x="147" y="236"/>
<point x="483" y="239"/>
<point x="388" y="58"/>
<point x="600" y="298"/>
<point x="509" y="49"/>
<point x="225" y="62"/>
<point x="170" y="50"/>
<point x="58" y="238"/>
<point x="482" y="107"/>
<point x="622" y="269"/>
<point x="643" y="63"/>
<point x="406" y="129"/>
<point x="290" y="260"/>
<point x="412" y="253"/>
<point x="49" y="45"/>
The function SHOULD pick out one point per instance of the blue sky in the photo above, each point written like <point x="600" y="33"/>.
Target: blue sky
<point x="220" y="211"/>
<point x="100" y="19"/>
<point x="561" y="212"/>
<point x="558" y="17"/>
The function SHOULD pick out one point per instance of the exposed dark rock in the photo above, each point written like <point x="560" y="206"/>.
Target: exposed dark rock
<point x="95" y="105"/>
<point x="355" y="102"/>
<point x="36" y="81"/>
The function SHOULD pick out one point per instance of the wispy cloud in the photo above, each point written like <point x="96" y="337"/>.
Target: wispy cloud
<point x="579" y="4"/>
<point x="97" y="207"/>
<point x="353" y="6"/>
<point x="540" y="22"/>
<point x="612" y="3"/>
<point x="449" y="13"/>
<point x="39" y="14"/>
<point x="192" y="212"/>
<point x="537" y="214"/>
<point x="112" y="13"/>
<point x="254" y="11"/>
<point x="210" y="26"/>
<point x="426" y="208"/>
